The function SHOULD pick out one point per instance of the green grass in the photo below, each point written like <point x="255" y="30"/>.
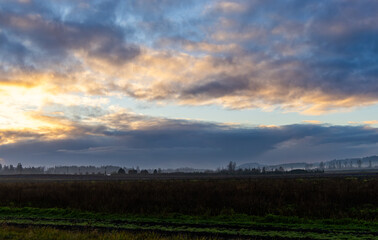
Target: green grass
<point x="47" y="233"/>
<point x="230" y="225"/>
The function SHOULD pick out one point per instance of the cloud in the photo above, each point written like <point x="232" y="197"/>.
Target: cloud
<point x="312" y="121"/>
<point x="64" y="61"/>
<point x="55" y="40"/>
<point x="370" y="122"/>
<point x="313" y="58"/>
<point x="130" y="139"/>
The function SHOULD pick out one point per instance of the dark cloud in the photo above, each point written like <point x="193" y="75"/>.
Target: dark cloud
<point x="218" y="86"/>
<point x="178" y="143"/>
<point x="321" y="53"/>
<point x="326" y="48"/>
<point x="13" y="52"/>
<point x="56" y="40"/>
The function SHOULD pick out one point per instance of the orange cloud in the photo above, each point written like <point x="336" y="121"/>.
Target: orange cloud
<point x="371" y="122"/>
<point x="312" y="121"/>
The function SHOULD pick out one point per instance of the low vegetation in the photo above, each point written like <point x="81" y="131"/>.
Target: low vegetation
<point x="225" y="226"/>
<point x="247" y="208"/>
<point x="48" y="233"/>
<point x="301" y="197"/>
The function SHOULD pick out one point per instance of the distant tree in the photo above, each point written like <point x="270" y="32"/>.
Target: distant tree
<point x="1" y="167"/>
<point x="19" y="168"/>
<point x="351" y="163"/>
<point x="121" y="171"/>
<point x="231" y="166"/>
<point x="359" y="163"/>
<point x="332" y="165"/>
<point x="159" y="170"/>
<point x="321" y="165"/>
<point x="132" y="171"/>
<point x="144" y="172"/>
<point x="11" y="168"/>
<point x="338" y="164"/>
<point x="155" y="171"/>
<point x="308" y="166"/>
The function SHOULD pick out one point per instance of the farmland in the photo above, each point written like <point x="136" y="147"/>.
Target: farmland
<point x="312" y="207"/>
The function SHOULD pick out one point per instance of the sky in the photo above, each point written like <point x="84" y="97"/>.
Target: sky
<point x="166" y="83"/>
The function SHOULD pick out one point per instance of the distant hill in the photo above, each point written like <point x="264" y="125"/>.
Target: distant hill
<point x="250" y="166"/>
<point x="286" y="166"/>
<point x="290" y="166"/>
<point x="184" y="170"/>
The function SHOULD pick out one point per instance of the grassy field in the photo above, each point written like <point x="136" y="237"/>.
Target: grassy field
<point x="225" y="226"/>
<point x="48" y="233"/>
<point x="293" y="208"/>
<point x="301" y="197"/>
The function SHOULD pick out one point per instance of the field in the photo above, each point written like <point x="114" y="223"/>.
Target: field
<point x="294" y="207"/>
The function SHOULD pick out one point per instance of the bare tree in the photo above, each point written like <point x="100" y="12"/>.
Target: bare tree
<point x="231" y="166"/>
<point x="321" y="165"/>
<point x="19" y="168"/>
<point x="359" y="163"/>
